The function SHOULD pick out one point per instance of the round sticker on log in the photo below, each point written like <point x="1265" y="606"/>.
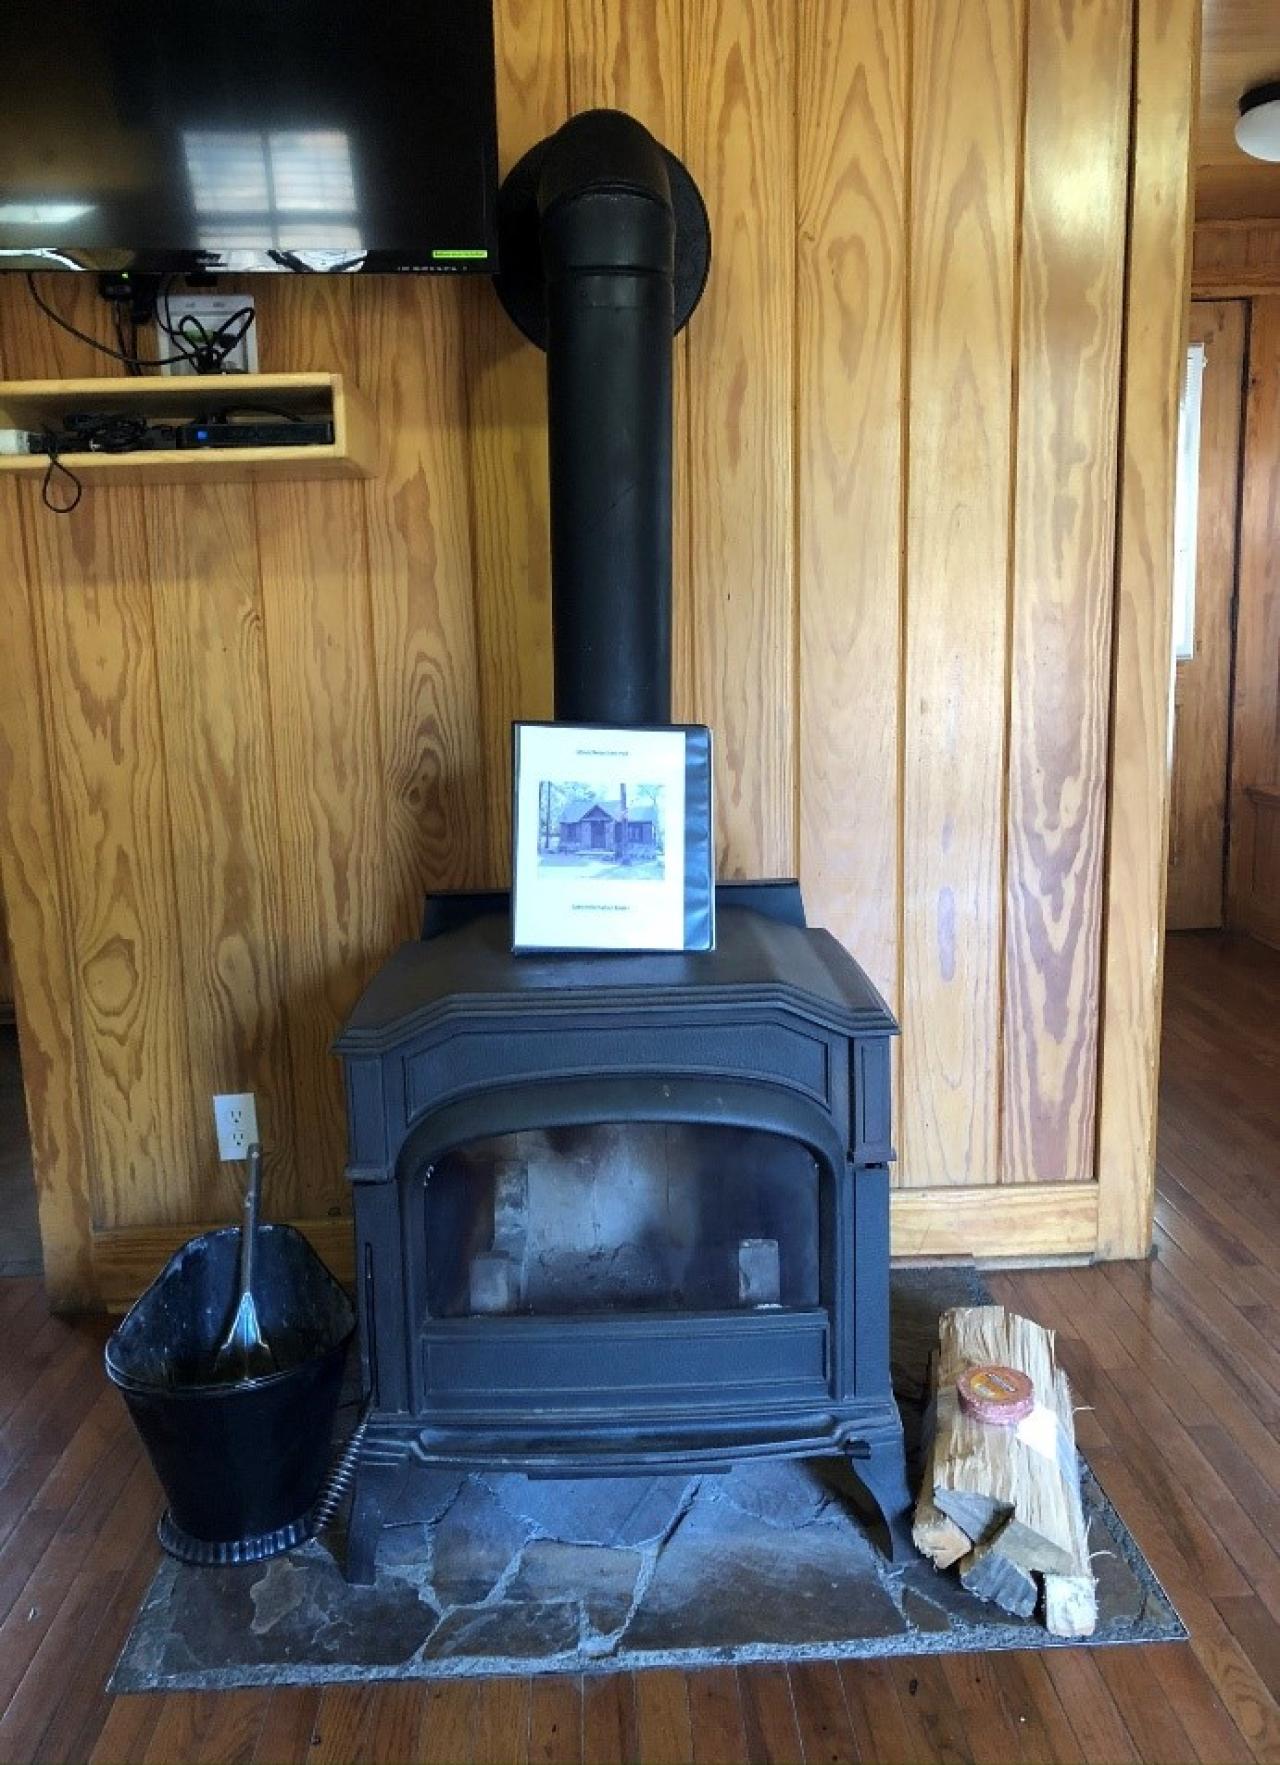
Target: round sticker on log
<point x="1001" y="1395"/>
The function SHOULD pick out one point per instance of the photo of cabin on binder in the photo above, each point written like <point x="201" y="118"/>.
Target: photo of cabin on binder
<point x="612" y="838"/>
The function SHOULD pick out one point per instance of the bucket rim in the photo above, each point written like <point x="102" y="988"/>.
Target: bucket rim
<point x="128" y="1382"/>
<point x="193" y="1391"/>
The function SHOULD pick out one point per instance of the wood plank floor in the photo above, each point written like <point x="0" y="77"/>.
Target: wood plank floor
<point x="1178" y="1361"/>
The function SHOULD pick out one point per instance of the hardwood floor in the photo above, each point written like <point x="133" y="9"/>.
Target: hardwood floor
<point x="1178" y="1362"/>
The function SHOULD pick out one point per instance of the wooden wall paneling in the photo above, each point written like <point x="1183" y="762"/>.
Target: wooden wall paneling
<point x="966" y="110"/>
<point x="1259" y="912"/>
<point x="92" y="583"/>
<point x="410" y="345"/>
<point x="229" y="878"/>
<point x="92" y="593"/>
<point x="329" y="773"/>
<point x="32" y="876"/>
<point x="1159" y="250"/>
<point x="1235" y="258"/>
<point x="740" y="135"/>
<point x="1202" y="685"/>
<point x="507" y="440"/>
<point x="1255" y="757"/>
<point x="852" y="66"/>
<point x="632" y="58"/>
<point x="1071" y="302"/>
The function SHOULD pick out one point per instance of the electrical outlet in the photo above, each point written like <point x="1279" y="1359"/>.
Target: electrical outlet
<point x="204" y="313"/>
<point x="235" y="1116"/>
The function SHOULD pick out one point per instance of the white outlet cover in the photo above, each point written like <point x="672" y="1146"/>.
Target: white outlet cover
<point x="235" y="1115"/>
<point x="209" y="311"/>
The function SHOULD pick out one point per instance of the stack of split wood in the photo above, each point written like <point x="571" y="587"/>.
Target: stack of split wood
<point x="1003" y="1503"/>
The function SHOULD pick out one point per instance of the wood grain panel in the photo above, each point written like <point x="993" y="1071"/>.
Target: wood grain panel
<point x="850" y="339"/>
<point x="326" y="741"/>
<point x="410" y="341"/>
<point x="1235" y="258"/>
<point x="966" y="105"/>
<point x="1202" y="683"/>
<point x="211" y="670"/>
<point x="1071" y="306"/>
<point x="1259" y="910"/>
<point x="507" y="441"/>
<point x="739" y="132"/>
<point x="1255" y="758"/>
<point x="35" y="905"/>
<point x="92" y="596"/>
<point x="95" y="605"/>
<point x="1159" y="250"/>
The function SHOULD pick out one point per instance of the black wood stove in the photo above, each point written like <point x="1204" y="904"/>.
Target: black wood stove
<point x="618" y="1213"/>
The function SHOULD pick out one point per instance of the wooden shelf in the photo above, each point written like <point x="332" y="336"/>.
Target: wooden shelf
<point x="45" y="404"/>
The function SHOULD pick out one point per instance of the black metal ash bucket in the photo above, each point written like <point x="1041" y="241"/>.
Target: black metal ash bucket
<point x="242" y="1462"/>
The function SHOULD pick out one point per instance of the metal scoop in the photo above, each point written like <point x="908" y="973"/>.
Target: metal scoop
<point x="243" y="1354"/>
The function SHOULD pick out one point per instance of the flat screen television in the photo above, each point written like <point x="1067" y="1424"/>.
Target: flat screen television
<point x="245" y="135"/>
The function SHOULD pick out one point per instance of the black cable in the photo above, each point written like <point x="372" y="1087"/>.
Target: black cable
<point x="207" y="351"/>
<point x="129" y="355"/>
<point x="46" y="484"/>
<point x="118" y="355"/>
<point x="164" y="319"/>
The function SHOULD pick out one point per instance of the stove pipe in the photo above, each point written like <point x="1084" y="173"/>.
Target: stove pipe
<point x="598" y="194"/>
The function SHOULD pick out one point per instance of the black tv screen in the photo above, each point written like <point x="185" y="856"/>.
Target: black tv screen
<point x="244" y="135"/>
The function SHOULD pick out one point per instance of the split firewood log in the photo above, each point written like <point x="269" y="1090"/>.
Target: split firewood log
<point x="1071" y="1600"/>
<point x="994" y="1481"/>
<point x="1012" y="1493"/>
<point x="934" y="1534"/>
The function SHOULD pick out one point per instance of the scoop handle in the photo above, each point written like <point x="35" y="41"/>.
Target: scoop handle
<point x="249" y="1222"/>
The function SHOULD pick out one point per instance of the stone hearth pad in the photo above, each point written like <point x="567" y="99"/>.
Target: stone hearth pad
<point x="487" y="1573"/>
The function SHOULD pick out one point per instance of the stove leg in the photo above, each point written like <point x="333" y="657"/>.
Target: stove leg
<point x="376" y="1485"/>
<point x="881" y="1468"/>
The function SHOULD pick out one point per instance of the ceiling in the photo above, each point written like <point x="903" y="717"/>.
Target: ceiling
<point x="1241" y="49"/>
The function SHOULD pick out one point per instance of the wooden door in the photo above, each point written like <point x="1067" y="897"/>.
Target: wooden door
<point x="1202" y="683"/>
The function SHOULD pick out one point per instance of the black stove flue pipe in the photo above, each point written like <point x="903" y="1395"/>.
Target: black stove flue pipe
<point x="605" y="251"/>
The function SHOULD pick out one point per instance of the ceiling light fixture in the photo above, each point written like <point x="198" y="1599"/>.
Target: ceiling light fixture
<point x="1258" y="130"/>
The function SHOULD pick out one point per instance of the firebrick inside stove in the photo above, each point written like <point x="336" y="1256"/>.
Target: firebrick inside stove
<point x="618" y="1213"/>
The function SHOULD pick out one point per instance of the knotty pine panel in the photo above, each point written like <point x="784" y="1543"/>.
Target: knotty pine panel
<point x="1202" y="686"/>
<point x="850" y="360"/>
<point x="427" y="661"/>
<point x="740" y="139"/>
<point x="107" y="745"/>
<point x="1157" y="275"/>
<point x="892" y="579"/>
<point x="1252" y="888"/>
<point x="1236" y="258"/>
<point x="964" y="250"/>
<point x="91" y="607"/>
<point x="507" y="440"/>
<point x="33" y="884"/>
<point x="229" y="881"/>
<point x="327" y="747"/>
<point x="1071" y="291"/>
